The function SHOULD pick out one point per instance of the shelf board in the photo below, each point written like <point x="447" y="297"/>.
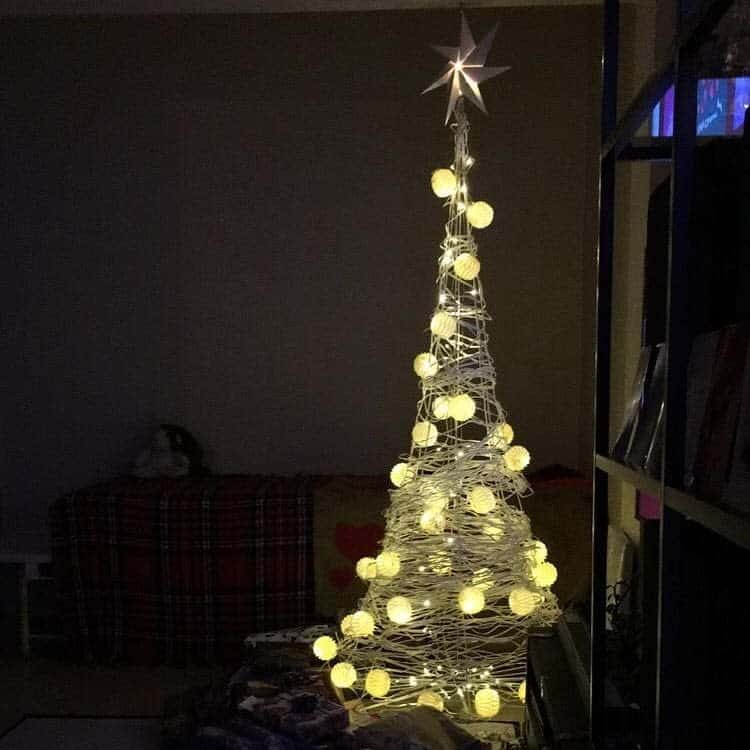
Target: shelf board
<point x="637" y="479"/>
<point x="647" y="149"/>
<point x="730" y="525"/>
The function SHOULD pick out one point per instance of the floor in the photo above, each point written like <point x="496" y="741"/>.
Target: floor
<point x="83" y="734"/>
<point x="53" y="686"/>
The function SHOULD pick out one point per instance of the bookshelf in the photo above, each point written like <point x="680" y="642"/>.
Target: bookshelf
<point x="696" y="554"/>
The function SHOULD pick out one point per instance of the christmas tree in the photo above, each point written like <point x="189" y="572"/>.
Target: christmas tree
<point x="460" y="578"/>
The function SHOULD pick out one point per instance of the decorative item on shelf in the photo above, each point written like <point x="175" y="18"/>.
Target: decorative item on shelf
<point x="459" y="564"/>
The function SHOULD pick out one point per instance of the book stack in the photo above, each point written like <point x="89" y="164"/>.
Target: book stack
<point x="717" y="417"/>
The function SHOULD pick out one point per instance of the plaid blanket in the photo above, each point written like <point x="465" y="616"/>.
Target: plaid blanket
<point x="178" y="570"/>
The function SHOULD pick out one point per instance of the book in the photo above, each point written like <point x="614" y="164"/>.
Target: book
<point x="697" y="387"/>
<point x="632" y="407"/>
<point x="737" y="491"/>
<point x="652" y="404"/>
<point x="717" y="435"/>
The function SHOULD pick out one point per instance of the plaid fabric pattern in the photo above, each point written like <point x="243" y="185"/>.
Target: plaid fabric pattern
<point x="179" y="570"/>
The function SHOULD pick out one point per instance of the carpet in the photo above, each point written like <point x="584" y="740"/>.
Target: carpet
<point x="82" y="733"/>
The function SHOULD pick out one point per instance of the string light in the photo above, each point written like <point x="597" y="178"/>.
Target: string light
<point x="458" y="564"/>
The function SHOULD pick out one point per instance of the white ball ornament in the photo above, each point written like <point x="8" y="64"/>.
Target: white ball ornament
<point x="523" y="602"/>
<point x="432" y="521"/>
<point x="432" y="699"/>
<point x="494" y="530"/>
<point x="441" y="407"/>
<point x="443" y="182"/>
<point x="343" y="675"/>
<point x="536" y="552"/>
<point x="480" y="214"/>
<point x="388" y="564"/>
<point x="462" y="407"/>
<point x="544" y="574"/>
<point x="325" y="648"/>
<point x="466" y="266"/>
<point x="399" y="610"/>
<point x="481" y="499"/>
<point x="424" y="434"/>
<point x="487" y="702"/>
<point x="522" y="691"/>
<point x="443" y="325"/>
<point x="346" y="626"/>
<point x="378" y="683"/>
<point x="401" y="474"/>
<point x="425" y="365"/>
<point x="501" y="436"/>
<point x="363" y="624"/>
<point x="471" y="600"/>
<point x="366" y="568"/>
<point x="517" y="458"/>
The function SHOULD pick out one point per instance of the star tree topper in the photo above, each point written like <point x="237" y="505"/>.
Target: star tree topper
<point x="466" y="69"/>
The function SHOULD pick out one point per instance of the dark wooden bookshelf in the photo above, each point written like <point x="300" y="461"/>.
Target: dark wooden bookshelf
<point x="695" y="556"/>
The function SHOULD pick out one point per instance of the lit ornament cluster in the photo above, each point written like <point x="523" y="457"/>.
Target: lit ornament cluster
<point x="460" y="578"/>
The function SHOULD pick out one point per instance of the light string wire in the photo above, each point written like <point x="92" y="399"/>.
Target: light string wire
<point x="441" y="649"/>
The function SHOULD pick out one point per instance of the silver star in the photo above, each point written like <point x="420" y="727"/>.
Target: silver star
<point x="466" y="70"/>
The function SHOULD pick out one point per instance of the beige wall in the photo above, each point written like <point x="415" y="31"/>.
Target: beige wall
<point x="226" y="223"/>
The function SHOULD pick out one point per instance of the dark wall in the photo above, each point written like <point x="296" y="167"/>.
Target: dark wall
<point x="226" y="222"/>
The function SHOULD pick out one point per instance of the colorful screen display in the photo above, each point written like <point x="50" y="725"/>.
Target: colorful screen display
<point x="721" y="108"/>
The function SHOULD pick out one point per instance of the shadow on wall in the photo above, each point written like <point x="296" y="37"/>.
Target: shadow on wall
<point x="209" y="231"/>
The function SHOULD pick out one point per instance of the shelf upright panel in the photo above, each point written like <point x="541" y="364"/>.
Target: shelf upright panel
<point x="677" y="345"/>
<point x="602" y="364"/>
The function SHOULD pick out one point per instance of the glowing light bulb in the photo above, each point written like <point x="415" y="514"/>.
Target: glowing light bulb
<point x="466" y="266"/>
<point x="443" y="325"/>
<point x="362" y="625"/>
<point x="401" y="474"/>
<point x="378" y="683"/>
<point x="388" y="564"/>
<point x="487" y="702"/>
<point x="426" y="603"/>
<point x="432" y="522"/>
<point x="517" y="458"/>
<point x="442" y="298"/>
<point x="443" y="183"/>
<point x="431" y="699"/>
<point x="450" y="540"/>
<point x="399" y="610"/>
<point x="346" y="626"/>
<point x="462" y="407"/>
<point x="481" y="499"/>
<point x="325" y="648"/>
<point x="441" y="407"/>
<point x="425" y="365"/>
<point x="544" y="574"/>
<point x="480" y="214"/>
<point x="343" y="675"/>
<point x="471" y="600"/>
<point x="523" y="602"/>
<point x="424" y="434"/>
<point x="366" y="568"/>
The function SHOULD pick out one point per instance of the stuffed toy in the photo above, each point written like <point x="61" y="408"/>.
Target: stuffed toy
<point x="173" y="452"/>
